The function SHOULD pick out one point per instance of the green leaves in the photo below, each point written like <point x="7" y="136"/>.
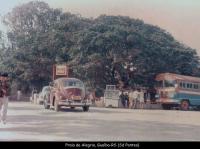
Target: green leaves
<point x="106" y="50"/>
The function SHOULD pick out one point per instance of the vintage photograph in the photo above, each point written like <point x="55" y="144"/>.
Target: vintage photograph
<point x="100" y="70"/>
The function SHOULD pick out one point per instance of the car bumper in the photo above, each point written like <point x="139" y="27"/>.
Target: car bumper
<point x="73" y="103"/>
<point x="169" y="101"/>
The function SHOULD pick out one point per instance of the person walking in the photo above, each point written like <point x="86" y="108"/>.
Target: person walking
<point x="4" y="92"/>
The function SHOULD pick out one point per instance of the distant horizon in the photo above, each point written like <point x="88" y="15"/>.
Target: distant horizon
<point x="181" y="18"/>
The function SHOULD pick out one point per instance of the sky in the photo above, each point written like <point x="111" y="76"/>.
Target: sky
<point x="181" y="18"/>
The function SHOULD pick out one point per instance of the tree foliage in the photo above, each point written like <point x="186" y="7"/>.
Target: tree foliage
<point x="106" y="50"/>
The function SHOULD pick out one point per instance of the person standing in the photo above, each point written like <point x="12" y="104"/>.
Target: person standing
<point x="122" y="98"/>
<point x="131" y="99"/>
<point x="19" y="94"/>
<point x="4" y="93"/>
<point x="126" y="98"/>
<point x="152" y="92"/>
<point x="136" y="97"/>
<point x="141" y="98"/>
<point x="34" y="95"/>
<point x="145" y="96"/>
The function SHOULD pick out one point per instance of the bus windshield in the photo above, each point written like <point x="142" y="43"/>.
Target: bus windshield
<point x="165" y="83"/>
<point x="169" y="83"/>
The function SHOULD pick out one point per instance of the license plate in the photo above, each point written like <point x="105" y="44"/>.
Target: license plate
<point x="76" y="97"/>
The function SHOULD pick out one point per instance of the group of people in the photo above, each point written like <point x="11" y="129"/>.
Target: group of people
<point x="137" y="97"/>
<point x="4" y="93"/>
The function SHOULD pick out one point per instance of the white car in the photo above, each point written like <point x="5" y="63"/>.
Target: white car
<point x="44" y="93"/>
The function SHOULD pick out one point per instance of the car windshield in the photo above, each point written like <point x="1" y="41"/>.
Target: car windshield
<point x="74" y="83"/>
<point x="46" y="89"/>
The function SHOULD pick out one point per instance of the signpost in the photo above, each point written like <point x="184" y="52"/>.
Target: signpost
<point x="60" y="71"/>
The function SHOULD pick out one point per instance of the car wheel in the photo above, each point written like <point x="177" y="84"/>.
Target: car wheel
<point x="85" y="108"/>
<point x="185" y="105"/>
<point x="45" y="103"/>
<point x="56" y="106"/>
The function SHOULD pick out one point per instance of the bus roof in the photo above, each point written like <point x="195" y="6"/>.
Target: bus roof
<point x="173" y="76"/>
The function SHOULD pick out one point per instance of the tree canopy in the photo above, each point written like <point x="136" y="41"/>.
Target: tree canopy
<point x="106" y="50"/>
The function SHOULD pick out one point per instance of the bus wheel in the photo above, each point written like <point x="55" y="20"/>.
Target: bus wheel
<point x="185" y="105"/>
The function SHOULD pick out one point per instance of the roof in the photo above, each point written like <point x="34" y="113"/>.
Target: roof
<point x="177" y="77"/>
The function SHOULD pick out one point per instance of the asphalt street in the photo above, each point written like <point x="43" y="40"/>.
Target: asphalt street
<point x="30" y="122"/>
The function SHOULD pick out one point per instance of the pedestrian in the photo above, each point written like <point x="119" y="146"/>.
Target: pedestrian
<point x="34" y="95"/>
<point x="141" y="98"/>
<point x="145" y="96"/>
<point x="126" y="98"/>
<point x="130" y="95"/>
<point x="122" y="98"/>
<point x="4" y="93"/>
<point x="18" y="94"/>
<point x="152" y="92"/>
<point x="135" y="98"/>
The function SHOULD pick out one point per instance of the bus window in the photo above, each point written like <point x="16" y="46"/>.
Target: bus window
<point x="188" y="85"/>
<point x="196" y="86"/>
<point x="184" y="85"/>
<point x="181" y="84"/>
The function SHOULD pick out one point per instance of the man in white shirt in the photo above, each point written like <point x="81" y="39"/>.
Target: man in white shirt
<point x="135" y="97"/>
<point x="4" y="93"/>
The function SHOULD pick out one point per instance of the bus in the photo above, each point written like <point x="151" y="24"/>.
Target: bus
<point x="176" y="90"/>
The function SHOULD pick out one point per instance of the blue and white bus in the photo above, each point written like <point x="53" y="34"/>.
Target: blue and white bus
<point x="178" y="90"/>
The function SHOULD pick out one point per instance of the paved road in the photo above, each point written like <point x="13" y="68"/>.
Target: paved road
<point x="29" y="122"/>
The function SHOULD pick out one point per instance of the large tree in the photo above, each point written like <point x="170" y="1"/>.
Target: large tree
<point x="127" y="52"/>
<point x="39" y="37"/>
<point x="106" y="50"/>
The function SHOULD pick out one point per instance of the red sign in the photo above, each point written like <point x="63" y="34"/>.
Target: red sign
<point x="60" y="71"/>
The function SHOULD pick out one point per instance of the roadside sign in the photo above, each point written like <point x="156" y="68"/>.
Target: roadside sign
<point x="60" y="71"/>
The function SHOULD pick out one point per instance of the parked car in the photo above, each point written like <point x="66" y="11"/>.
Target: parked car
<point x="43" y="94"/>
<point x="68" y="92"/>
